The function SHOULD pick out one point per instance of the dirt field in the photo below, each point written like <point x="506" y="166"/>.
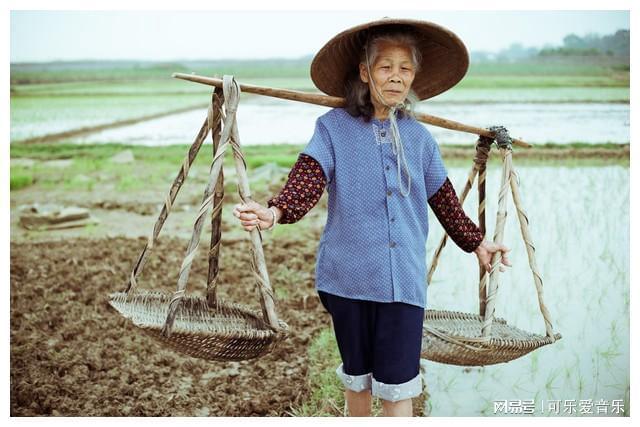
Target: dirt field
<point x="73" y="355"/>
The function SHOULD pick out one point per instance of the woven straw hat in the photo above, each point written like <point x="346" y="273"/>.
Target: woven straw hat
<point x="444" y="57"/>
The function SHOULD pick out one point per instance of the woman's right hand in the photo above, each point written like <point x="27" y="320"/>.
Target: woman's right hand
<point x="252" y="214"/>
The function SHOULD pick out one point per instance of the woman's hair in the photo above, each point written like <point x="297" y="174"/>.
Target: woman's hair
<point x="358" y="98"/>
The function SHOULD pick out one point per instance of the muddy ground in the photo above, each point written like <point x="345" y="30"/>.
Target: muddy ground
<point x="73" y="355"/>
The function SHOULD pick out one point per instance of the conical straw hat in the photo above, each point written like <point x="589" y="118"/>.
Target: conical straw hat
<point x="445" y="59"/>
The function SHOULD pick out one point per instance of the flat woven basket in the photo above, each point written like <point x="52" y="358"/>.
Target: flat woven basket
<point x="455" y="338"/>
<point x="226" y="331"/>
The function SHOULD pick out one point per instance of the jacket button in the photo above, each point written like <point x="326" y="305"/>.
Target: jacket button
<point x="389" y="193"/>
<point x="387" y="168"/>
<point x="392" y="219"/>
<point x="392" y="244"/>
<point x="383" y="134"/>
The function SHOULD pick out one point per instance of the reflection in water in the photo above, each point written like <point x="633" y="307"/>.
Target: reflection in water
<point x="580" y="229"/>
<point x="266" y="121"/>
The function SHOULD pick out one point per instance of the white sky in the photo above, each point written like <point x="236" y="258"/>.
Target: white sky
<point x="169" y="35"/>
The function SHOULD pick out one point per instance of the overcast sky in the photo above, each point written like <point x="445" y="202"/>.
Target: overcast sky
<point x="169" y="35"/>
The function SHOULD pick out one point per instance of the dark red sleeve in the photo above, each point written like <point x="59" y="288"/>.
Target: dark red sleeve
<point x="302" y="190"/>
<point x="454" y="220"/>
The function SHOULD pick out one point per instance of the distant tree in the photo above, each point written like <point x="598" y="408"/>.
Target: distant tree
<point x="614" y="44"/>
<point x="572" y="41"/>
<point x="591" y="44"/>
<point x="618" y="43"/>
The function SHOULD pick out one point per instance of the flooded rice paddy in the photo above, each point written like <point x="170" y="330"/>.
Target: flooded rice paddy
<point x="579" y="222"/>
<point x="268" y="121"/>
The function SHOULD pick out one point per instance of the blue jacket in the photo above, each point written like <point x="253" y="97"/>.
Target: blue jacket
<point x="373" y="246"/>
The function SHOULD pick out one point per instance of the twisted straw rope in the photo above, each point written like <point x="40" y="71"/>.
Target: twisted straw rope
<point x="501" y="216"/>
<point x="194" y="243"/>
<point x="482" y="154"/>
<point x="173" y="192"/>
<point x="524" y="229"/>
<point x="229" y="137"/>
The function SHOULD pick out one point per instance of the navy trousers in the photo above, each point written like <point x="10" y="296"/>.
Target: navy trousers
<point x="381" y="338"/>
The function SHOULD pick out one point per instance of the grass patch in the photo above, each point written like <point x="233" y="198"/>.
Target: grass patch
<point x="156" y="167"/>
<point x="20" y="179"/>
<point x="327" y="392"/>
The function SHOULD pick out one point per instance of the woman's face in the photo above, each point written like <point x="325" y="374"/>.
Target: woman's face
<point x="393" y="72"/>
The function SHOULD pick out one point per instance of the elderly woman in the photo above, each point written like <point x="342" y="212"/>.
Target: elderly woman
<point x="381" y="169"/>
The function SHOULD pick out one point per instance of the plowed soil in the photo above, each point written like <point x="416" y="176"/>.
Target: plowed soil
<point x="73" y="355"/>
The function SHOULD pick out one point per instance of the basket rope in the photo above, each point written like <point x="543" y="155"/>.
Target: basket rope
<point x="479" y="165"/>
<point x="463" y="345"/>
<point x="213" y="113"/>
<point x="213" y="272"/>
<point x="501" y="217"/>
<point x="230" y="137"/>
<point x="207" y="328"/>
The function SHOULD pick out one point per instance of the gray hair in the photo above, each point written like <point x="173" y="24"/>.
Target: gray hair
<point x="357" y="94"/>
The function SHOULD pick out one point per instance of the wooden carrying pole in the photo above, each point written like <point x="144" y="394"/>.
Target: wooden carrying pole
<point x="334" y="101"/>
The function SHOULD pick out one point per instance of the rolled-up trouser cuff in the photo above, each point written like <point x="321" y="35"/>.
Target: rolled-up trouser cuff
<point x="354" y="382"/>
<point x="395" y="392"/>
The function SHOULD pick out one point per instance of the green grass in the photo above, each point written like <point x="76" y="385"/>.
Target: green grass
<point x="544" y="81"/>
<point x="519" y="95"/>
<point x="288" y="68"/>
<point x="123" y="70"/>
<point x="156" y="166"/>
<point x="88" y="157"/>
<point x="327" y="392"/>
<point x="20" y="178"/>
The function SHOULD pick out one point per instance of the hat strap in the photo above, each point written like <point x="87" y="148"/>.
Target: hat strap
<point x="396" y="145"/>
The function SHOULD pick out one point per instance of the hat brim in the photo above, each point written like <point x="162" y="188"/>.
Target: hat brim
<point x="445" y="59"/>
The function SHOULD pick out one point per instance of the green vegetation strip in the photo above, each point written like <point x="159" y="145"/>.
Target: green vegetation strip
<point x="327" y="397"/>
<point x="90" y="164"/>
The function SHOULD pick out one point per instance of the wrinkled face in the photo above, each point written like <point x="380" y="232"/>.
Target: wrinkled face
<point x="392" y="72"/>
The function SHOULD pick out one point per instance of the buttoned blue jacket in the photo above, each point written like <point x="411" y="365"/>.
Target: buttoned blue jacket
<point x="373" y="246"/>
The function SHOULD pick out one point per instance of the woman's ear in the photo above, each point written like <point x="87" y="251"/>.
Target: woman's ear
<point x="364" y="76"/>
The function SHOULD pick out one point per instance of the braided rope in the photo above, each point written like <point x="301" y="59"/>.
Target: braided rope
<point x="207" y="200"/>
<point x="228" y="138"/>
<point x="261" y="282"/>
<point x="258" y="266"/>
<point x="524" y="229"/>
<point x="213" y="271"/>
<point x="214" y="249"/>
<point x="482" y="154"/>
<point x="510" y="181"/>
<point x="483" y="148"/>
<point x="494" y="274"/>
<point x="181" y="176"/>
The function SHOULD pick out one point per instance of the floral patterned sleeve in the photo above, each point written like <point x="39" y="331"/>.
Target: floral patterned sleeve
<point x="302" y="190"/>
<point x="455" y="221"/>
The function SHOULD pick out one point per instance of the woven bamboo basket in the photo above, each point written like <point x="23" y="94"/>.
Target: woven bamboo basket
<point x="226" y="331"/>
<point x="207" y="328"/>
<point x="455" y="338"/>
<point x="467" y="339"/>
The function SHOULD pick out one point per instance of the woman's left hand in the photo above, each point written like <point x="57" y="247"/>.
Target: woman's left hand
<point x="485" y="252"/>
